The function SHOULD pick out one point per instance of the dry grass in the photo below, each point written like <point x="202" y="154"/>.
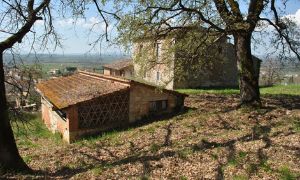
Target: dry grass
<point x="212" y="140"/>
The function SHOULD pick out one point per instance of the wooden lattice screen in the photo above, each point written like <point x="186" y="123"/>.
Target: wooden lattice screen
<point x="104" y="112"/>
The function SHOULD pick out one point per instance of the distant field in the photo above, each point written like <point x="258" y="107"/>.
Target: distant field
<point x="278" y="89"/>
<point x="46" y="67"/>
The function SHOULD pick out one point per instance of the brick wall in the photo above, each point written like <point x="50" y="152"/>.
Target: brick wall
<point x="53" y="121"/>
<point x="46" y="113"/>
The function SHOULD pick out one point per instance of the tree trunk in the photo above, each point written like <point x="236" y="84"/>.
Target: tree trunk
<point x="10" y="158"/>
<point x="248" y="71"/>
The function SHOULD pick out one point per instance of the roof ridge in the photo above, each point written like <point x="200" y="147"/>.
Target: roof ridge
<point x="104" y="77"/>
<point x="119" y="64"/>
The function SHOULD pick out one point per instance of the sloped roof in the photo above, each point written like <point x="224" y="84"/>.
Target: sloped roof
<point x="82" y="86"/>
<point x="119" y="64"/>
<point x="70" y="90"/>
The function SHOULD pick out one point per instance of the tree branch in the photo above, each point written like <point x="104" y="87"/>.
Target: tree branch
<point x="281" y="34"/>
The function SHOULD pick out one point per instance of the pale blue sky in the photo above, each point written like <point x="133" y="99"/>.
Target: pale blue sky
<point x="76" y="39"/>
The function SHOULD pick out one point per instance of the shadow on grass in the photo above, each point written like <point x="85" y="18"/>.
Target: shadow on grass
<point x="282" y="100"/>
<point x="145" y="157"/>
<point x="145" y="121"/>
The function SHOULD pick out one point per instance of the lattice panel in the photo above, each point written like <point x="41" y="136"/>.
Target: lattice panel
<point x="104" y="111"/>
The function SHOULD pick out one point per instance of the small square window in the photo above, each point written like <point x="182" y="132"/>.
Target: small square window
<point x="152" y="107"/>
<point x="158" y="106"/>
<point x="164" y="105"/>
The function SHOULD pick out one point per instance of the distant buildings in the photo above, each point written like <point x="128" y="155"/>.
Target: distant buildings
<point x="20" y="83"/>
<point x="54" y="72"/>
<point x="171" y="61"/>
<point x="123" y="68"/>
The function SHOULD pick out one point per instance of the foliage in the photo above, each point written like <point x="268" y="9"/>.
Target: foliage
<point x="160" y="19"/>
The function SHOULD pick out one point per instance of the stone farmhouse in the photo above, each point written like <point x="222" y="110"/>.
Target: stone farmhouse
<point x="166" y="61"/>
<point x="123" y="68"/>
<point x="87" y="103"/>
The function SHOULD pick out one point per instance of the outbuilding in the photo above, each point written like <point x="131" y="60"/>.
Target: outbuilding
<point x="88" y="103"/>
<point x="123" y="68"/>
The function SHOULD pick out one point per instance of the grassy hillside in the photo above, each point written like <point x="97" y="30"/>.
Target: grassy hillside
<point x="211" y="139"/>
<point x="277" y="89"/>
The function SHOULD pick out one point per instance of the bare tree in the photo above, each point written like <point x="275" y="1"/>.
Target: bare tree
<point x="22" y="16"/>
<point x="271" y="72"/>
<point x="162" y="17"/>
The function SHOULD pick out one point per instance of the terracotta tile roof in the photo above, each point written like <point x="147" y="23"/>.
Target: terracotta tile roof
<point x="83" y="86"/>
<point x="70" y="90"/>
<point x="119" y="64"/>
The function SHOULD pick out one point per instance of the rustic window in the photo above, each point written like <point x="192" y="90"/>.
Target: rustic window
<point x="157" y="76"/>
<point x="158" y="51"/>
<point x="158" y="106"/>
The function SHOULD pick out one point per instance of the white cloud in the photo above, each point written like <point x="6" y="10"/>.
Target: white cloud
<point x="92" y="22"/>
<point x="265" y="26"/>
<point x="295" y="17"/>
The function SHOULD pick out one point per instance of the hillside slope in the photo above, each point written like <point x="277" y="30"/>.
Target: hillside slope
<point x="211" y="140"/>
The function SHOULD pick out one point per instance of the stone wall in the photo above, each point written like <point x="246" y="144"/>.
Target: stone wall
<point x="218" y="69"/>
<point x="106" y="71"/>
<point x="147" y="66"/>
<point x="215" y="67"/>
<point x="140" y="97"/>
<point x="126" y="72"/>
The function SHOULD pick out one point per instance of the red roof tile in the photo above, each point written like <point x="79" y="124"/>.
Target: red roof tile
<point x="83" y="86"/>
<point x="66" y="91"/>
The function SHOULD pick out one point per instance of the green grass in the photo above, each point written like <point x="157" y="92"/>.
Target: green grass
<point x="293" y="89"/>
<point x="31" y="127"/>
<point x="273" y="90"/>
<point x="239" y="177"/>
<point x="154" y="148"/>
<point x="296" y="124"/>
<point x="184" y="153"/>
<point x="286" y="173"/>
<point x="209" y="91"/>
